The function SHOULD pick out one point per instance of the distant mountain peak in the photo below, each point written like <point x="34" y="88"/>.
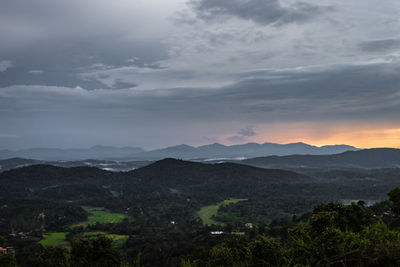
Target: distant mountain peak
<point x="340" y="145"/>
<point x="300" y="144"/>
<point x="217" y="144"/>
<point x="184" y="145"/>
<point x="181" y="146"/>
<point x="214" y="145"/>
<point x="218" y="151"/>
<point x="183" y="151"/>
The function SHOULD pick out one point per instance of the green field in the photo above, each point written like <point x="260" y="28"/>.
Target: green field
<point x="54" y="239"/>
<point x="206" y="212"/>
<point x="100" y="215"/>
<point x="58" y="238"/>
<point x="118" y="240"/>
<point x="96" y="215"/>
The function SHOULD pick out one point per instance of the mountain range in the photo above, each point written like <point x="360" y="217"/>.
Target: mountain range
<point x="360" y="159"/>
<point x="211" y="151"/>
<point x="250" y="150"/>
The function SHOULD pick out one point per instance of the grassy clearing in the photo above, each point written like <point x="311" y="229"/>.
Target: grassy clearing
<point x="96" y="215"/>
<point x="174" y="191"/>
<point x="118" y="240"/>
<point x="206" y="212"/>
<point x="100" y="215"/>
<point x="54" y="239"/>
<point x="58" y="238"/>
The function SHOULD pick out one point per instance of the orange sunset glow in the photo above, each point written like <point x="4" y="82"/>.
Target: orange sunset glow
<point x="358" y="135"/>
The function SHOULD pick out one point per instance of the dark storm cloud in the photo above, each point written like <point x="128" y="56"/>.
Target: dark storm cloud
<point x="260" y="11"/>
<point x="380" y="45"/>
<point x="123" y="85"/>
<point x="140" y="63"/>
<point x="342" y="92"/>
<point x="61" y="63"/>
<point x="364" y="93"/>
<point x="65" y="38"/>
<point x="242" y="134"/>
<point x="248" y="131"/>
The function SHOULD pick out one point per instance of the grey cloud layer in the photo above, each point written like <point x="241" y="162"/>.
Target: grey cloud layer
<point x="64" y="38"/>
<point x="5" y="65"/>
<point x="345" y="93"/>
<point x="381" y="45"/>
<point x="260" y="11"/>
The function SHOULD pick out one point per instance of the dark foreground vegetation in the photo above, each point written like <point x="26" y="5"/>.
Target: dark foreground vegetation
<point x="332" y="235"/>
<point x="52" y="216"/>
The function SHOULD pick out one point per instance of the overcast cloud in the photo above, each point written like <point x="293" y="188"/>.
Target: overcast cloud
<point x="153" y="73"/>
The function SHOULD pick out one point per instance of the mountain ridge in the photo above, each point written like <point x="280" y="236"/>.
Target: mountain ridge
<point x="183" y="151"/>
<point x="365" y="158"/>
<point x="248" y="150"/>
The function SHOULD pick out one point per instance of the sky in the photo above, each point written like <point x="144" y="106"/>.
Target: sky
<point x="155" y="73"/>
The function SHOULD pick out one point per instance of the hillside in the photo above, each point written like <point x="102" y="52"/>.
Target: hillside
<point x="367" y="158"/>
<point x="173" y="188"/>
<point x="51" y="154"/>
<point x="171" y="196"/>
<point x="108" y="165"/>
<point x="227" y="178"/>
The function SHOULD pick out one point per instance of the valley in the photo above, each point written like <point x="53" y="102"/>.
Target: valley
<point x="169" y="203"/>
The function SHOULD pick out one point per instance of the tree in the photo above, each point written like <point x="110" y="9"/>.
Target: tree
<point x="7" y="260"/>
<point x="394" y="197"/>
<point x="266" y="252"/>
<point x="53" y="257"/>
<point x="95" y="252"/>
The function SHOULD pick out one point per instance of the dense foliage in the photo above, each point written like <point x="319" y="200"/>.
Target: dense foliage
<point x="157" y="207"/>
<point x="332" y="235"/>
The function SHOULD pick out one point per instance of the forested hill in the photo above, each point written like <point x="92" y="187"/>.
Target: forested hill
<point x="173" y="189"/>
<point x="38" y="176"/>
<point x="166" y="190"/>
<point x="174" y="172"/>
<point x="163" y="175"/>
<point x="367" y="158"/>
<point x="170" y="205"/>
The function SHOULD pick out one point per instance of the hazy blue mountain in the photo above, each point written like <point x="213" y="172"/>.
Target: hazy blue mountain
<point x="366" y="158"/>
<point x="169" y="152"/>
<point x="96" y="152"/>
<point x="211" y="151"/>
<point x="250" y="150"/>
